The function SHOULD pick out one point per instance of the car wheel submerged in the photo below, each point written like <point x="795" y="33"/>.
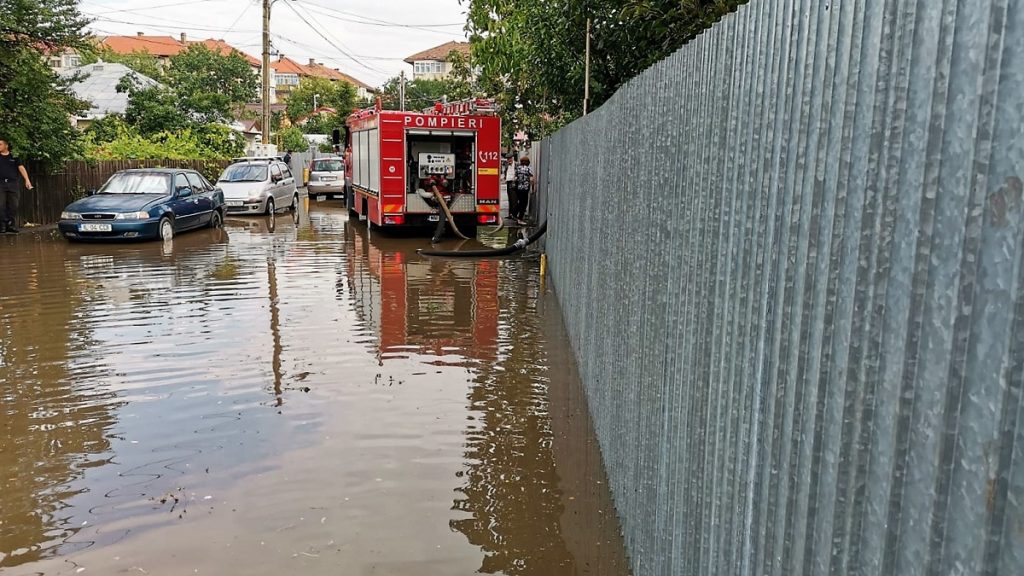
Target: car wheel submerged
<point x="295" y="202"/>
<point x="217" y="220"/>
<point x="166" y="228"/>
<point x="270" y="206"/>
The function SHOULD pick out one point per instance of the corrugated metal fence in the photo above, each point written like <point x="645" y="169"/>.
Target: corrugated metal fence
<point x="790" y="259"/>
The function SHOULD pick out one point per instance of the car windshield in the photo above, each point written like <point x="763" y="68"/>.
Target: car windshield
<point x="328" y="166"/>
<point x="244" y="173"/>
<point x="137" y="183"/>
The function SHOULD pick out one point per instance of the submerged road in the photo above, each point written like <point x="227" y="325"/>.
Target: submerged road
<point x="295" y="396"/>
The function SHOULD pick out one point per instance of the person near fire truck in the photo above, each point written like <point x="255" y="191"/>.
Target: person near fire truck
<point x="349" y="193"/>
<point x="510" y="185"/>
<point x="524" y="186"/>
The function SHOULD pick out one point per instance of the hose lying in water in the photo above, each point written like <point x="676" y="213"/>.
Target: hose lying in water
<point x="520" y="244"/>
<point x="448" y="214"/>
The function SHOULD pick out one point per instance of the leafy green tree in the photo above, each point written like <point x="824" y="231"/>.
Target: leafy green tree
<point x="530" y="53"/>
<point x="210" y="85"/>
<point x="421" y="93"/>
<point x="37" y="103"/>
<point x="139" y="61"/>
<point x="293" y="139"/>
<point x="106" y="128"/>
<point x="338" y="95"/>
<point x="153" y="109"/>
<point x="212" y="141"/>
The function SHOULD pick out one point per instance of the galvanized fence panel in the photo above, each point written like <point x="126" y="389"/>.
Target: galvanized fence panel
<point x="790" y="261"/>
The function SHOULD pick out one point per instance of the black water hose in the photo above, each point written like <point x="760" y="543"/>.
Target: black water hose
<point x="520" y="244"/>
<point x="448" y="214"/>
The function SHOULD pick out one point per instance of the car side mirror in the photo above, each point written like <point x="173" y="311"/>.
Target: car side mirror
<point x="184" y="192"/>
<point x="90" y="192"/>
<point x="276" y="178"/>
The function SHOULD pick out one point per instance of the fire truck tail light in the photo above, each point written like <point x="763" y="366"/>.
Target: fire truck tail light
<point x="487" y="219"/>
<point x="395" y="220"/>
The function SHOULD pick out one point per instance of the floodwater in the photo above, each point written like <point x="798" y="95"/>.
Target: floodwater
<point x="294" y="397"/>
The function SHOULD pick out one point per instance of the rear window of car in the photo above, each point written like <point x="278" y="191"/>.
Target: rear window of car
<point x="137" y="183"/>
<point x="244" y="173"/>
<point x="328" y="166"/>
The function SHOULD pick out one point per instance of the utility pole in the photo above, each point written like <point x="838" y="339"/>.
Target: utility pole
<point x="586" y="82"/>
<point x="266" y="71"/>
<point x="401" y="92"/>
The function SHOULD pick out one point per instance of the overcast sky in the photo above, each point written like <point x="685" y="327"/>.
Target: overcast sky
<point x="366" y="39"/>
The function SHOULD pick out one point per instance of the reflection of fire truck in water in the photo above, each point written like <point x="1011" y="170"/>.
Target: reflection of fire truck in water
<point x="455" y="147"/>
<point x="433" y="307"/>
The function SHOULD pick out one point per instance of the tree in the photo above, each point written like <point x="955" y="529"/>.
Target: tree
<point x="211" y="85"/>
<point x="338" y="95"/>
<point x="38" y="103"/>
<point x="154" y="109"/>
<point x="422" y="93"/>
<point x="292" y="139"/>
<point x="531" y="52"/>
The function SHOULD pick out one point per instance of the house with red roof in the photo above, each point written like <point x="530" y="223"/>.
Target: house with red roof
<point x="434" y="63"/>
<point x="289" y="75"/>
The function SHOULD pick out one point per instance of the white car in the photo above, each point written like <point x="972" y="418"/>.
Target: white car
<point x="258" y="186"/>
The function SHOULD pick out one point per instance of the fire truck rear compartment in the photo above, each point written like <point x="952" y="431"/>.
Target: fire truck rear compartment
<point x="462" y="184"/>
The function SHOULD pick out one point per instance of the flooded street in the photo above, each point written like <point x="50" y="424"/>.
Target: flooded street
<point x="290" y="397"/>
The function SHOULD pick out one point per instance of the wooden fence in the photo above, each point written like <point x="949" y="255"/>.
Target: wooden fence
<point x="55" y="188"/>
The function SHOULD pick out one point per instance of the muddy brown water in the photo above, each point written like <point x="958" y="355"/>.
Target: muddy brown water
<point x="290" y="397"/>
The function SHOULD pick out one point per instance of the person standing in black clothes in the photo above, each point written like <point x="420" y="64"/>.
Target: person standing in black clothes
<point x="11" y="171"/>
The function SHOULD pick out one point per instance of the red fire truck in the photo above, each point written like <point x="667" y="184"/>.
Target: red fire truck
<point x="394" y="154"/>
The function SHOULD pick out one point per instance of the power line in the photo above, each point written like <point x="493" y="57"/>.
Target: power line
<point x="175" y="27"/>
<point x="173" y="5"/>
<point x="366" y="21"/>
<point x="314" y="50"/>
<point x="291" y="5"/>
<point x="239" y="19"/>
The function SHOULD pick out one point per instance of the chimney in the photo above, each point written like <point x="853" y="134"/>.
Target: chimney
<point x="184" y="38"/>
<point x="312" y="62"/>
<point x="140" y="34"/>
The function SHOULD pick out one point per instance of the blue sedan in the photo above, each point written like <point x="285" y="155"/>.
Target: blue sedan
<point x="143" y="204"/>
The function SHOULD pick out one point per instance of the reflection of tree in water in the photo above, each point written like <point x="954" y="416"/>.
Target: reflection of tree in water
<point x="512" y="487"/>
<point x="51" y="430"/>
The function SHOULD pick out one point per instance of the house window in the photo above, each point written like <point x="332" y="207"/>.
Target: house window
<point x="287" y="79"/>
<point x="429" y="67"/>
<point x="54" y="62"/>
<point x="74" y="61"/>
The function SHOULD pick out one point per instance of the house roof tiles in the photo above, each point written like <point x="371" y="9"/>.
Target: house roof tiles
<point x="159" y="46"/>
<point x="440" y="53"/>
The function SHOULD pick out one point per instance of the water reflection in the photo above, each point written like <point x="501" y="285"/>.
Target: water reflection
<point x="52" y="429"/>
<point x="290" y="395"/>
<point x="489" y="313"/>
<point x="443" y="308"/>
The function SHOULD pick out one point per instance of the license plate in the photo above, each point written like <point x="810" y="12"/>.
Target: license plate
<point x="328" y="178"/>
<point x="320" y="198"/>
<point x="434" y="218"/>
<point x="234" y="204"/>
<point x="94" y="228"/>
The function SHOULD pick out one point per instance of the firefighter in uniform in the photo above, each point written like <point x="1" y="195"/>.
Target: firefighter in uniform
<point x="11" y="171"/>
